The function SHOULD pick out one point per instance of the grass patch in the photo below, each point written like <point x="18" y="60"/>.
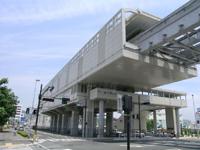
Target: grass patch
<point x="23" y="133"/>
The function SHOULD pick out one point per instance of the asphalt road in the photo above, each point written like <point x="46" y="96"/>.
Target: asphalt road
<point x="48" y="141"/>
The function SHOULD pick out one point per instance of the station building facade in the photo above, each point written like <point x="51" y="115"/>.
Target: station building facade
<point x="118" y="60"/>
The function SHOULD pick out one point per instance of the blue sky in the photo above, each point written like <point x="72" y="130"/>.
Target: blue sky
<point x="37" y="37"/>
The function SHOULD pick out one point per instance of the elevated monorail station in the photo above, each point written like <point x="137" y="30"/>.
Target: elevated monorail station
<point x="133" y="53"/>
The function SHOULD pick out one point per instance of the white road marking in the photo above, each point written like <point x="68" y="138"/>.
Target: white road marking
<point x="136" y="145"/>
<point x="67" y="149"/>
<point x="62" y="140"/>
<point x="43" y="146"/>
<point x="174" y="149"/>
<point x="29" y="147"/>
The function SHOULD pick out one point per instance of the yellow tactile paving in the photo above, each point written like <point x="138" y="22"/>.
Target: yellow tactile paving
<point x="11" y="145"/>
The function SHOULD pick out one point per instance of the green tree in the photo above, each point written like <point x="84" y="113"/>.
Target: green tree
<point x="149" y="124"/>
<point x="8" y="102"/>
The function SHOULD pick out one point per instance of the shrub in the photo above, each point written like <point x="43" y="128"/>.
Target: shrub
<point x="22" y="133"/>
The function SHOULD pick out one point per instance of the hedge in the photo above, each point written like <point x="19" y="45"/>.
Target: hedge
<point x="22" y="133"/>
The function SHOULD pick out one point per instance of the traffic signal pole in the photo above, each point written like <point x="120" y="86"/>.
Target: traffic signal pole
<point x="127" y="107"/>
<point x="41" y="94"/>
<point x="128" y="130"/>
<point x="37" y="113"/>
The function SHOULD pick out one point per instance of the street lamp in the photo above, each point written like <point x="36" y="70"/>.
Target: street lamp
<point x="194" y="111"/>
<point x="33" y="101"/>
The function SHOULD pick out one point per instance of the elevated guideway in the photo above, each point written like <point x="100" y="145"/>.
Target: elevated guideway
<point x="175" y="38"/>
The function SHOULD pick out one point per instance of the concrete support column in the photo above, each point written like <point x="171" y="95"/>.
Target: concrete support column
<point x="177" y="122"/>
<point x="95" y="124"/>
<point x="134" y="119"/>
<point x="74" y="123"/>
<point x="58" y="123"/>
<point x="65" y="128"/>
<point x="67" y="123"/>
<point x="144" y="115"/>
<point x="84" y="122"/>
<point x="101" y="119"/>
<point x="52" y="123"/>
<point x="109" y="123"/>
<point x="155" y="121"/>
<point x="55" y="123"/>
<point x="90" y="118"/>
<point x="171" y="120"/>
<point x="63" y="124"/>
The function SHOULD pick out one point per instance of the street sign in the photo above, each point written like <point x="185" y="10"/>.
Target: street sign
<point x="48" y="99"/>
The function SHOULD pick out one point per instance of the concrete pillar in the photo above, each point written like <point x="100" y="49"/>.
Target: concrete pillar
<point x="109" y="123"/>
<point x="74" y="123"/>
<point x="177" y="123"/>
<point x="58" y="123"/>
<point x="101" y="119"/>
<point x="155" y="121"/>
<point x="134" y="119"/>
<point x="67" y="121"/>
<point x="171" y="120"/>
<point x="90" y="118"/>
<point x="144" y="115"/>
<point x="63" y="124"/>
<point x="84" y="122"/>
<point x="55" y="123"/>
<point x="95" y="124"/>
<point x="52" y="123"/>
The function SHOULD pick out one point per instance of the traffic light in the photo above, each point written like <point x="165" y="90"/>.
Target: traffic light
<point x="65" y="100"/>
<point x="34" y="111"/>
<point x="48" y="99"/>
<point x="127" y="103"/>
<point x="27" y="110"/>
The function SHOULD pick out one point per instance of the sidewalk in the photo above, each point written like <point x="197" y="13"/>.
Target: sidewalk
<point x="190" y="139"/>
<point x="9" y="140"/>
<point x="8" y="136"/>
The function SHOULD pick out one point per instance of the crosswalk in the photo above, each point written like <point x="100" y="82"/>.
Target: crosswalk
<point x="137" y="145"/>
<point x="41" y="144"/>
<point x="59" y="140"/>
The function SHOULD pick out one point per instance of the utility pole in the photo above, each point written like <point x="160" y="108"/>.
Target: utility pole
<point x="33" y="101"/>
<point x="194" y="111"/>
<point x="37" y="112"/>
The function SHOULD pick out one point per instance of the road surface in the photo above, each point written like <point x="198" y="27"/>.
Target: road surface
<point x="48" y="141"/>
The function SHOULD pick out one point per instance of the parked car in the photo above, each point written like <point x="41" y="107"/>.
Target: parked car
<point x="21" y="128"/>
<point x="138" y="134"/>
